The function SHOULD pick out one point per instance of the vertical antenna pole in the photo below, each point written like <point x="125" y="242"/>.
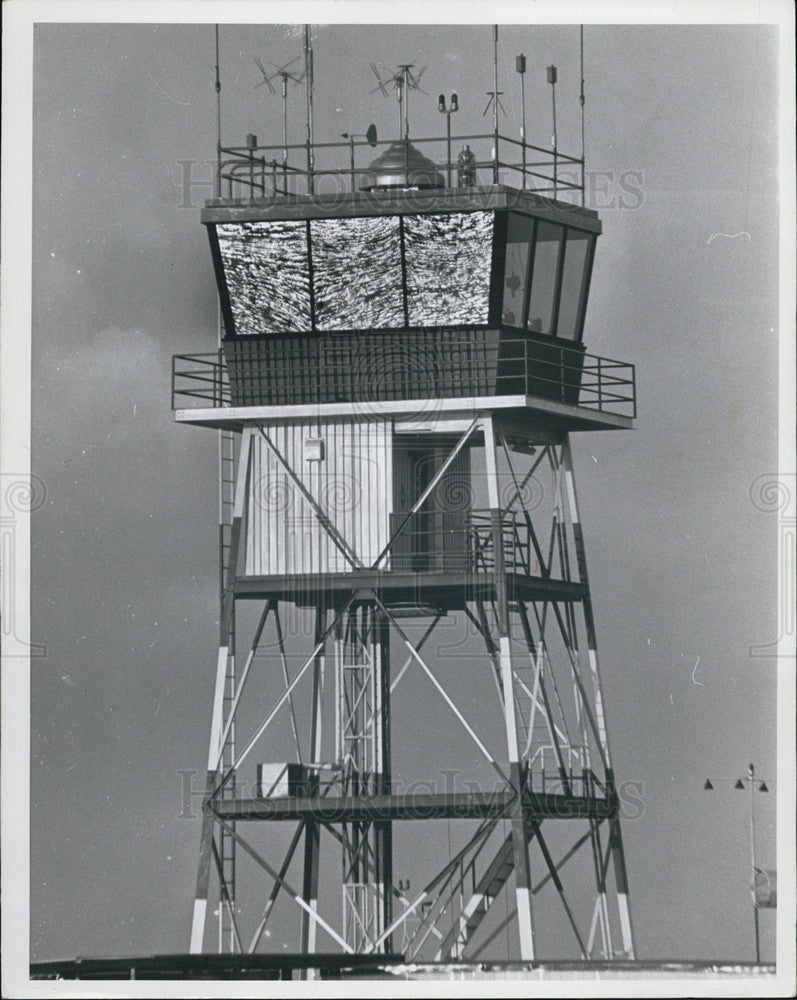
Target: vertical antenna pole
<point x="407" y="104"/>
<point x="581" y="99"/>
<point x="520" y="66"/>
<point x="495" y="104"/>
<point x="218" y="119"/>
<point x="523" y="125"/>
<point x="401" y="94"/>
<point x="552" y="81"/>
<point x="448" y="147"/>
<point x="308" y="78"/>
<point x="285" y="128"/>
<point x="751" y="779"/>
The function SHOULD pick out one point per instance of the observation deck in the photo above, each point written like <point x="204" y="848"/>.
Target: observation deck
<point x="412" y="375"/>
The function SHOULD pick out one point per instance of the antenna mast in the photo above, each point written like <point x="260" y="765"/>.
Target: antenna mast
<point x="552" y="81"/>
<point x="218" y="119"/>
<point x="403" y="80"/>
<point x="308" y="78"/>
<point x="581" y="99"/>
<point x="285" y="74"/>
<point x="495" y="105"/>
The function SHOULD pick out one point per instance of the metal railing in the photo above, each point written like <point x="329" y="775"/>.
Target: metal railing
<point x="200" y="377"/>
<point x="266" y="171"/>
<point x="461" y="541"/>
<point x="407" y="365"/>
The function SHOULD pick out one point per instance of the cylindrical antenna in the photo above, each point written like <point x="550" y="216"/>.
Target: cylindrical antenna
<point x="495" y="104"/>
<point x="552" y="81"/>
<point x="218" y="119"/>
<point x="520" y="66"/>
<point x="581" y="99"/>
<point x="308" y="89"/>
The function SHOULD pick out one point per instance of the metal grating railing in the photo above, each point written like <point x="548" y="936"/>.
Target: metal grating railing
<point x="372" y="367"/>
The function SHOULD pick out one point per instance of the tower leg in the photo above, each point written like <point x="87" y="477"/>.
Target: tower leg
<point x="615" y="835"/>
<point x="312" y="830"/>
<point x="520" y="832"/>
<point x="206" y="837"/>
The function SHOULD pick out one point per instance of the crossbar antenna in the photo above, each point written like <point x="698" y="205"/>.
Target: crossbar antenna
<point x="283" y="73"/>
<point x="403" y="80"/>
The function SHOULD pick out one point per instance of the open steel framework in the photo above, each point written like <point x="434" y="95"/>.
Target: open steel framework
<point x="521" y="582"/>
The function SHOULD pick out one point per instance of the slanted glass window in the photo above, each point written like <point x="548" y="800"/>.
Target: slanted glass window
<point x="267" y="274"/>
<point x="518" y="241"/>
<point x="448" y="267"/>
<point x="543" y="278"/>
<point x="574" y="277"/>
<point x="357" y="273"/>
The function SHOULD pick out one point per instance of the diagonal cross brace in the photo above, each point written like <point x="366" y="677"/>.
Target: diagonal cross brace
<point x="427" y="492"/>
<point x="318" y="510"/>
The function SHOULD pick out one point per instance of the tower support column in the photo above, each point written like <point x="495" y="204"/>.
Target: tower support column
<point x="521" y="833"/>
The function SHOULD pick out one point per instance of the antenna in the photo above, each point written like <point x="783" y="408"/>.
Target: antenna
<point x="552" y="81"/>
<point x="218" y="119"/>
<point x="495" y="100"/>
<point x="520" y="66"/>
<point x="403" y="81"/>
<point x="308" y="88"/>
<point x="581" y="101"/>
<point x="284" y="73"/>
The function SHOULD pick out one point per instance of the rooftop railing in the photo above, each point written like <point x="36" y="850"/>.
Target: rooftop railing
<point x="327" y="168"/>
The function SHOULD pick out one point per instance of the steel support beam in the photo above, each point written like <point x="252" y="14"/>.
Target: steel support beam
<point x="521" y="834"/>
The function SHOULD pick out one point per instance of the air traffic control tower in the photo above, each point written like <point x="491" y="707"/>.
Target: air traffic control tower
<point x="400" y="369"/>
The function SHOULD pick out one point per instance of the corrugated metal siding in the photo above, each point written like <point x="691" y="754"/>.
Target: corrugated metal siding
<point x="353" y="485"/>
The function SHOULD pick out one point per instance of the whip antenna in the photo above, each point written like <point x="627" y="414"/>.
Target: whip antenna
<point x="308" y="87"/>
<point x="581" y="100"/>
<point x="218" y="119"/>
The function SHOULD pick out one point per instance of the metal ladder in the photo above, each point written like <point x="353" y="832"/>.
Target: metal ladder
<point x="226" y="447"/>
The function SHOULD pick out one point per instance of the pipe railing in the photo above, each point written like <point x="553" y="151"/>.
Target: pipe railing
<point x="262" y="171"/>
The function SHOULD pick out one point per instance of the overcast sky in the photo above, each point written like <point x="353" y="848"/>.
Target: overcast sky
<point x="682" y="560"/>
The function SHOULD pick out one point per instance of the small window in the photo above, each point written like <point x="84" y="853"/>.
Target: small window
<point x="516" y="267"/>
<point x="574" y="276"/>
<point x="543" y="278"/>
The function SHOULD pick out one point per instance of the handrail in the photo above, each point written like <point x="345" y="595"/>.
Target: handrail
<point x="401" y="365"/>
<point x="462" y="541"/>
<point x="246" y="167"/>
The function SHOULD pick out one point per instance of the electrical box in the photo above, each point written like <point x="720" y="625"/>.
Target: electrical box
<point x="314" y="449"/>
